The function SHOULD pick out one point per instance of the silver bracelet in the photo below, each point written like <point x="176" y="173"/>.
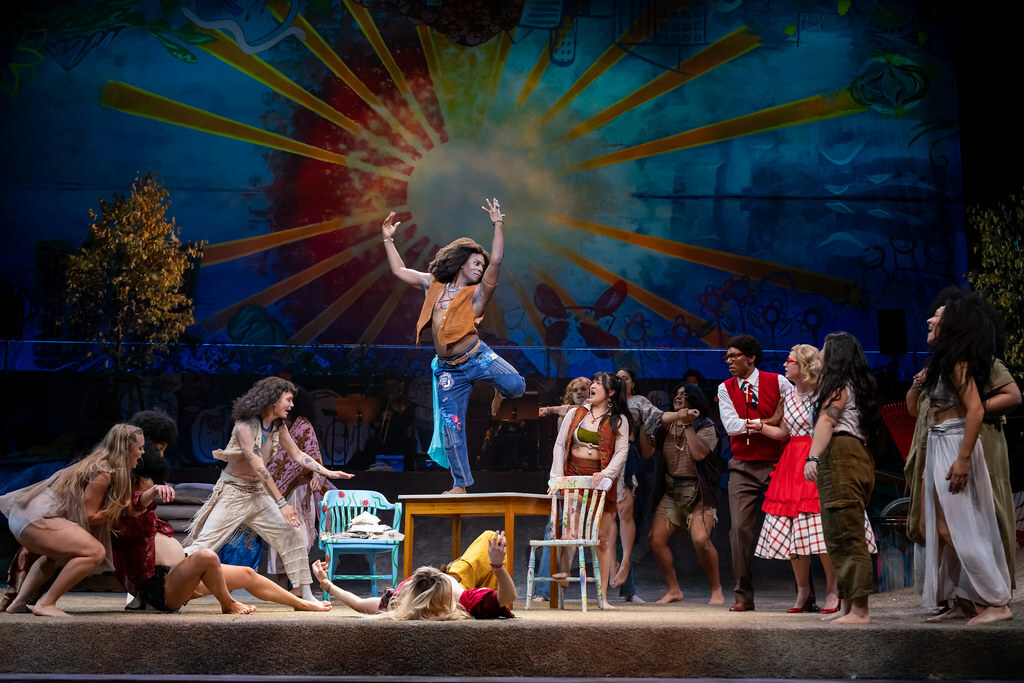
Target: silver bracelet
<point x="389" y="239"/>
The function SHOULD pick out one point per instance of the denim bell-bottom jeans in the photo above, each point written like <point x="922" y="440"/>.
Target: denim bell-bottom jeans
<point x="454" y="384"/>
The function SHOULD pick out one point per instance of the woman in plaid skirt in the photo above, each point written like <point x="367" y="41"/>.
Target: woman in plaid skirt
<point x="792" y="523"/>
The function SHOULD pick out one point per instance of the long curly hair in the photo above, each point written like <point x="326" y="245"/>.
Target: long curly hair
<point x="570" y="389"/>
<point x="113" y="454"/>
<point x="846" y="367"/>
<point x="966" y="334"/>
<point x="952" y="293"/>
<point x="617" y="406"/>
<point x="809" y="361"/>
<point x="263" y="394"/>
<point x="450" y="258"/>
<point x="428" y="595"/>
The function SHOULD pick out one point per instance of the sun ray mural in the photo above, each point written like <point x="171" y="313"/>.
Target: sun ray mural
<point x="660" y="162"/>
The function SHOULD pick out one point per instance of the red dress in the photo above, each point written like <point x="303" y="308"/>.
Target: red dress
<point x="789" y="492"/>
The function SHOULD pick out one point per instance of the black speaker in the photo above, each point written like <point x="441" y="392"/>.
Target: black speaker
<point x="892" y="331"/>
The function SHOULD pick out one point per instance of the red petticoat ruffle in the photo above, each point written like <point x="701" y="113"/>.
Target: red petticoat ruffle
<point x="789" y="493"/>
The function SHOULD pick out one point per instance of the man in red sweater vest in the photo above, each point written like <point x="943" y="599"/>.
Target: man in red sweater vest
<point x="749" y="395"/>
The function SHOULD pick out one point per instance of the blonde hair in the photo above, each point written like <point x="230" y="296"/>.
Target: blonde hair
<point x="429" y="594"/>
<point x="112" y="455"/>
<point x="567" y="397"/>
<point x="809" y="363"/>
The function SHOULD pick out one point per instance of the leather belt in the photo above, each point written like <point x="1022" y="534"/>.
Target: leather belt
<point x="461" y="358"/>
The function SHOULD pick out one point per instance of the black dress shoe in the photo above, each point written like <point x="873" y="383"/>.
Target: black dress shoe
<point x="742" y="607"/>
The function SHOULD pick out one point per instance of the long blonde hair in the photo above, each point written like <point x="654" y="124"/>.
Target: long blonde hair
<point x="428" y="594"/>
<point x="112" y="455"/>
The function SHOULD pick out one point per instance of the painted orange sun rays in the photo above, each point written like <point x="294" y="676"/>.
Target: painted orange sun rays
<point x="414" y="129"/>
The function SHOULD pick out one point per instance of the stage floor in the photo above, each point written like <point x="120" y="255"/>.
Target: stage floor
<point x="683" y="640"/>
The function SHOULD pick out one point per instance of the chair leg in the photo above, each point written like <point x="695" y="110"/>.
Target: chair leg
<point x="394" y="567"/>
<point x="583" y="579"/>
<point x="529" y="578"/>
<point x="597" y="577"/>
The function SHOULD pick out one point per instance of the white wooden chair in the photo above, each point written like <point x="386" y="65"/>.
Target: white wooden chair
<point x="577" y="526"/>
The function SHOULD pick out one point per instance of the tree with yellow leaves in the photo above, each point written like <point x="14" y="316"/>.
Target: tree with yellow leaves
<point x="126" y="285"/>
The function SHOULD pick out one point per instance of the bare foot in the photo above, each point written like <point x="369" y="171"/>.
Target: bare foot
<point x="832" y="617"/>
<point x="314" y="606"/>
<point x="716" y="597"/>
<point x="851" y="618"/>
<point x="620" y="575"/>
<point x="990" y="614"/>
<point x="670" y="597"/>
<point x="235" y="607"/>
<point x="563" y="578"/>
<point x="495" y="403"/>
<point x="607" y="605"/>
<point x="958" y="612"/>
<point x="18" y="608"/>
<point x="455" y="491"/>
<point x="49" y="610"/>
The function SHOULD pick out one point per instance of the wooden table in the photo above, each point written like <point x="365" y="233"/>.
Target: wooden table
<point x="456" y="507"/>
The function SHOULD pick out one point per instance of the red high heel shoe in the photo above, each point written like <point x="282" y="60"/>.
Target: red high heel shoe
<point x="808" y="606"/>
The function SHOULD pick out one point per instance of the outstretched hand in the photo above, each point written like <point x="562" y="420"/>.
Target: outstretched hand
<point x="390" y="226"/>
<point x="493" y="209"/>
<point x="320" y="571"/>
<point x="496" y="548"/>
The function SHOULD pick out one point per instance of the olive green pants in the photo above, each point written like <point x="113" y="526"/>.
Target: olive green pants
<point x="846" y="477"/>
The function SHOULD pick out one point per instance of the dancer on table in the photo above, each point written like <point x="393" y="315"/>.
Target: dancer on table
<point x="66" y="518"/>
<point x="461" y="280"/>
<point x="847" y="429"/>
<point x="477" y="585"/>
<point x="687" y="490"/>
<point x="165" y="579"/>
<point x="594" y="443"/>
<point x="749" y="395"/>
<point x="792" y="520"/>
<point x="964" y="554"/>
<point x="247" y="494"/>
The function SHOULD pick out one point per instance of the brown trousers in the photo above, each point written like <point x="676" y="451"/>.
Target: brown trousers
<point x="846" y="477"/>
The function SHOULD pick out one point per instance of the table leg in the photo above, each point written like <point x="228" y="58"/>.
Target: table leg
<point x="510" y="537"/>
<point x="407" y="543"/>
<point x="456" y="537"/>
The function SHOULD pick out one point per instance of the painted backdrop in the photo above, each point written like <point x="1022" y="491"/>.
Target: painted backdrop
<point x="672" y="172"/>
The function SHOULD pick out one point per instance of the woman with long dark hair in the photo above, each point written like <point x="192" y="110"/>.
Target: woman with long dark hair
<point x="594" y="443"/>
<point x="964" y="554"/>
<point x="847" y="430"/>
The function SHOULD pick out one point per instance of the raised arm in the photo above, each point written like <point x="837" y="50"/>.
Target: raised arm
<point x="407" y="275"/>
<point x="489" y="281"/>
<point x="496" y="548"/>
<point x="292" y="449"/>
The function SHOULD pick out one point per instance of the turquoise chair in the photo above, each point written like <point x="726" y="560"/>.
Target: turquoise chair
<point x="338" y="509"/>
